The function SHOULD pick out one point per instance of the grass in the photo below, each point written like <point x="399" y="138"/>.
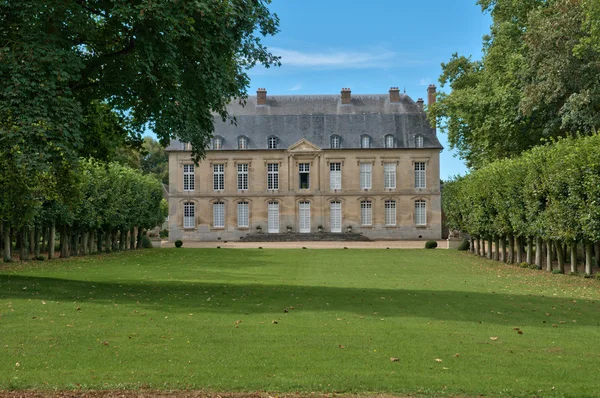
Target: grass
<point x="204" y="319"/>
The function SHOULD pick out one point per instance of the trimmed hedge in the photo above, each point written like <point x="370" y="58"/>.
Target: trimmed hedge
<point x="430" y="244"/>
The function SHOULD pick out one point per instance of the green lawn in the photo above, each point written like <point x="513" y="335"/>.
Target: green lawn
<point x="205" y="319"/>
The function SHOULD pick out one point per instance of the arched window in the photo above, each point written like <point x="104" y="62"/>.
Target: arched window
<point x="217" y="143"/>
<point x="272" y="142"/>
<point x="242" y="142"/>
<point x="335" y="141"/>
<point x="365" y="141"/>
<point x="419" y="141"/>
<point x="389" y="141"/>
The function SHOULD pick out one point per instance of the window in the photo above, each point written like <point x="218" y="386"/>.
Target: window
<point x="242" y="182"/>
<point x="217" y="143"/>
<point x="243" y="219"/>
<point x="189" y="220"/>
<point x="335" y="142"/>
<point x="365" y="141"/>
<point x="420" y="214"/>
<point x="365" y="175"/>
<point x="335" y="176"/>
<point x="419" y="174"/>
<point x="304" y="176"/>
<point x="419" y="141"/>
<point x="366" y="212"/>
<point x="242" y="142"/>
<point x="218" y="215"/>
<point x="272" y="142"/>
<point x="390" y="212"/>
<point x="389" y="175"/>
<point x="218" y="177"/>
<point x="272" y="176"/>
<point x="389" y="141"/>
<point x="188" y="177"/>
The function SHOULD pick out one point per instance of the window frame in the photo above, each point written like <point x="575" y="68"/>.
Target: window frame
<point x="335" y="176"/>
<point x="218" y="177"/>
<point x="189" y="208"/>
<point x="333" y="139"/>
<point x="389" y="175"/>
<point x="390" y="207"/>
<point x="274" y="140"/>
<point x="217" y="143"/>
<point x="244" y="217"/>
<point x="420" y="169"/>
<point x="386" y="144"/>
<point x="303" y="171"/>
<point x="189" y="177"/>
<point x="366" y="176"/>
<point x="244" y="139"/>
<point x="362" y="141"/>
<point x="273" y="176"/>
<point x="420" y="218"/>
<point x="218" y="217"/>
<point x="366" y="213"/>
<point x="242" y="183"/>
<point x="419" y="141"/>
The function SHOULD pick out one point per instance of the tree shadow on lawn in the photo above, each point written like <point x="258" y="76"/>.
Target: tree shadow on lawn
<point x="184" y="297"/>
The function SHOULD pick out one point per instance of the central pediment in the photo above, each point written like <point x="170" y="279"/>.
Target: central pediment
<point x="303" y="146"/>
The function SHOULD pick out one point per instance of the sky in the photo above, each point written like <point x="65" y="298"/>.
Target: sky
<point x="369" y="47"/>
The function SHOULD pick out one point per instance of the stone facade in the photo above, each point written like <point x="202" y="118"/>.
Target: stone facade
<point x="385" y="186"/>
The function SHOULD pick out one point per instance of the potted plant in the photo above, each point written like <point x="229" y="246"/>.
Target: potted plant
<point x="289" y="228"/>
<point x="320" y="228"/>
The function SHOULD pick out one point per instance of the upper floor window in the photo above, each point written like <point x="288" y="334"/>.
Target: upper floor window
<point x="272" y="176"/>
<point x="389" y="141"/>
<point x="419" y="141"/>
<point x="389" y="175"/>
<point x="217" y="143"/>
<point x="419" y="174"/>
<point x="272" y="143"/>
<point x="304" y="175"/>
<point x="188" y="177"/>
<point x="365" y="141"/>
<point x="420" y="212"/>
<point x="242" y="142"/>
<point x="189" y="220"/>
<point x="365" y="175"/>
<point x="335" y="176"/>
<point x="218" y="177"/>
<point x="187" y="146"/>
<point x="242" y="182"/>
<point x="335" y="142"/>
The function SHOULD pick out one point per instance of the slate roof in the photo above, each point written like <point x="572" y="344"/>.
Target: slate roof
<point x="317" y="117"/>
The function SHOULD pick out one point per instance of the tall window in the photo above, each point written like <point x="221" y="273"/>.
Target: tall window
<point x="365" y="141"/>
<point x="389" y="175"/>
<point x="188" y="177"/>
<point x="390" y="212"/>
<point x="420" y="213"/>
<point x="217" y="143"/>
<point x="218" y="177"/>
<point x="419" y="141"/>
<point x="304" y="175"/>
<point x="365" y="175"/>
<point x="272" y="142"/>
<point x="335" y="142"/>
<point x="189" y="220"/>
<point x="243" y="219"/>
<point x="242" y="143"/>
<point x="335" y="176"/>
<point x="242" y="181"/>
<point x="272" y="176"/>
<point x="419" y="174"/>
<point x="366" y="212"/>
<point x="218" y="215"/>
<point x="389" y="141"/>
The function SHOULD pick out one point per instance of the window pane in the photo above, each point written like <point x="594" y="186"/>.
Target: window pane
<point x="366" y="213"/>
<point x="419" y="141"/>
<point x="389" y="175"/>
<point x="219" y="177"/>
<point x="365" y="176"/>
<point x="389" y="141"/>
<point x="304" y="177"/>
<point x="188" y="177"/>
<point x="390" y="212"/>
<point x="335" y="142"/>
<point x="419" y="174"/>
<point x="188" y="215"/>
<point x="219" y="214"/>
<point x="420" y="213"/>
<point x="335" y="176"/>
<point x="242" y="176"/>
<point x="273" y="176"/>
<point x="243" y="219"/>
<point x="365" y="142"/>
<point x="242" y="143"/>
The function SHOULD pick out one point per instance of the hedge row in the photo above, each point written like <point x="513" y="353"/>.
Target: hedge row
<point x="548" y="197"/>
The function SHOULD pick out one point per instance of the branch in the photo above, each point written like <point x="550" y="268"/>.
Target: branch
<point x="92" y="10"/>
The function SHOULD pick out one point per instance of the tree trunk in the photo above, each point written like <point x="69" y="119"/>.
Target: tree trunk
<point x="529" y="250"/>
<point x="139" y="238"/>
<point x="560" y="255"/>
<point x="44" y="233"/>
<point x="31" y="241"/>
<point x="597" y="254"/>
<point x="122" y="239"/>
<point x="51" y="241"/>
<point x="99" y="240"/>
<point x="549" y="256"/>
<point x="471" y="244"/>
<point x="64" y="242"/>
<point x="91" y="235"/>
<point x="502" y="249"/>
<point x="538" y="252"/>
<point x="131" y="238"/>
<point x="511" y="249"/>
<point x="115" y="245"/>
<point x="107" y="241"/>
<point x="519" y="242"/>
<point x="36" y="245"/>
<point x="482" y="247"/>
<point x="23" y="254"/>
<point x="84" y="243"/>
<point x="588" y="258"/>
<point x="2" y="237"/>
<point x="74" y="234"/>
<point x="497" y="249"/>
<point x="574" y="257"/>
<point x="7" y="243"/>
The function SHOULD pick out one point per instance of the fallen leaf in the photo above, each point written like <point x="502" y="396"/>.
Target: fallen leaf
<point x="274" y="322"/>
<point x="516" y="329"/>
<point x="237" y="322"/>
<point x="493" y="338"/>
<point x="394" y="359"/>
<point x="438" y="360"/>
<point x="43" y="302"/>
<point x="341" y="346"/>
<point x="285" y="310"/>
<point x="520" y="332"/>
<point x="456" y="355"/>
<point x="105" y="343"/>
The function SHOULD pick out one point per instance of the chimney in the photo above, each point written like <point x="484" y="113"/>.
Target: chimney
<point x="346" y="96"/>
<point x="394" y="94"/>
<point x="431" y="94"/>
<point x="420" y="104"/>
<point x="261" y="96"/>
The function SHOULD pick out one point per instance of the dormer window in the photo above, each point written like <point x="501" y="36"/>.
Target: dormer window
<point x="242" y="142"/>
<point x="335" y="142"/>
<point x="217" y="143"/>
<point x="419" y="141"/>
<point x="389" y="141"/>
<point x="365" y="141"/>
<point x="272" y="142"/>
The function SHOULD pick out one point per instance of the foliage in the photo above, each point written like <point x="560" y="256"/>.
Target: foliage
<point x="464" y="245"/>
<point x="430" y="244"/>
<point x="164" y="233"/>
<point x="178" y="243"/>
<point x="146" y="242"/>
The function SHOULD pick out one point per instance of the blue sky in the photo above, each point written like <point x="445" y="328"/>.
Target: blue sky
<point x="329" y="44"/>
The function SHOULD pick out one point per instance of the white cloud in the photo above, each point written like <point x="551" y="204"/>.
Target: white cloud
<point x="334" y="59"/>
<point x="425" y="82"/>
<point x="296" y="87"/>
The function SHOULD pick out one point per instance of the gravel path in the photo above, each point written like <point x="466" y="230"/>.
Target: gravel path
<point x="395" y="244"/>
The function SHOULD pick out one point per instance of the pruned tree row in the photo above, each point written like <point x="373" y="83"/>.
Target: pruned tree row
<point x="94" y="208"/>
<point x="535" y="208"/>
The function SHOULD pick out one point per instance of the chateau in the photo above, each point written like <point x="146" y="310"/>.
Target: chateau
<point x="365" y="163"/>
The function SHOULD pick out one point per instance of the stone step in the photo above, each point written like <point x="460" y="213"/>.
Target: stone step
<point x="298" y="237"/>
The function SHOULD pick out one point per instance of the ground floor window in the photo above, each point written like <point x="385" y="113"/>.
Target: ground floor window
<point x="366" y="212"/>
<point x="420" y="213"/>
<point x="189" y="220"/>
<point x="390" y="212"/>
<point x="243" y="221"/>
<point x="218" y="215"/>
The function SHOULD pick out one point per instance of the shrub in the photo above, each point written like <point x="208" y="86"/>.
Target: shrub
<point x="464" y="246"/>
<point x="39" y="258"/>
<point x="574" y="273"/>
<point x="430" y="244"/>
<point x="556" y="271"/>
<point x="164" y="233"/>
<point x="146" y="242"/>
<point x="178" y="243"/>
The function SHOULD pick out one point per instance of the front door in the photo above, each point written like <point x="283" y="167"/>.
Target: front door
<point x="304" y="216"/>
<point x="335" y="211"/>
<point x="273" y="215"/>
